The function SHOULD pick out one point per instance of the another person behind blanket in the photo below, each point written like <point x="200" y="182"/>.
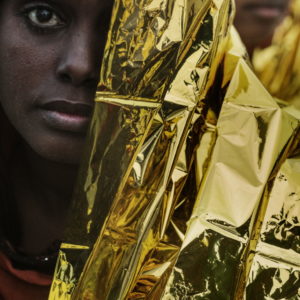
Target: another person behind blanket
<point x="256" y="21"/>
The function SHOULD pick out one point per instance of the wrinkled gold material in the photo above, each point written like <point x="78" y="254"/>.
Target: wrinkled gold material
<point x="274" y="265"/>
<point x="278" y="66"/>
<point x="183" y="164"/>
<point x="221" y="237"/>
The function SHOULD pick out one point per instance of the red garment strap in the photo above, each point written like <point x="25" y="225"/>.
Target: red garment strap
<point x="22" y="284"/>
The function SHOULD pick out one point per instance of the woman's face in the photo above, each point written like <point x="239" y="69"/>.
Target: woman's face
<point x="256" y="20"/>
<point x="50" y="54"/>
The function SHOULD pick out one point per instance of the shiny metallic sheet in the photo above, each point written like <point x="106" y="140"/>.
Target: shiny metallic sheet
<point x="275" y="269"/>
<point x="184" y="153"/>
<point x="278" y="66"/>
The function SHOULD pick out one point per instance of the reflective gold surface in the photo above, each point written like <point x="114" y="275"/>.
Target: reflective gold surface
<point x="278" y="66"/>
<point x="185" y="152"/>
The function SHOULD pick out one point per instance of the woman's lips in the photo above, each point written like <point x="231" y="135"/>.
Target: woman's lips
<point x="265" y="11"/>
<point x="65" y="115"/>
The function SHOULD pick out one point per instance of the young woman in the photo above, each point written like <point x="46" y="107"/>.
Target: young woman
<point x="50" y="55"/>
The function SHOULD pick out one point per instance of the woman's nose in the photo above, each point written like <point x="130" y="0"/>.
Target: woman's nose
<point x="79" y="63"/>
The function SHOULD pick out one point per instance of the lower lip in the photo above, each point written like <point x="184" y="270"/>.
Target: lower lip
<point x="265" y="12"/>
<point x="65" y="122"/>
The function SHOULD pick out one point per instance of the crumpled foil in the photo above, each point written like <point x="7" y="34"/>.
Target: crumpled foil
<point x="278" y="66"/>
<point x="185" y="152"/>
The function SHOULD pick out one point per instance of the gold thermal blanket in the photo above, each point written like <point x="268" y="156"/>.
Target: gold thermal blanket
<point x="278" y="66"/>
<point x="189" y="184"/>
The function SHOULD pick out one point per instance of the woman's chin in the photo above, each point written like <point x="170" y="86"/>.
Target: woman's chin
<point x="65" y="150"/>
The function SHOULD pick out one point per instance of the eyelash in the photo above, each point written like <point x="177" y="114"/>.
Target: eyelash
<point x="40" y="29"/>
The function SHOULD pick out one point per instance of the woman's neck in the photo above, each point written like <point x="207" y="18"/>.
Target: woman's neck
<point x="57" y="178"/>
<point x="43" y="191"/>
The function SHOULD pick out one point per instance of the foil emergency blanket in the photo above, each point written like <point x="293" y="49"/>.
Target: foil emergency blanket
<point x="189" y="185"/>
<point x="278" y="66"/>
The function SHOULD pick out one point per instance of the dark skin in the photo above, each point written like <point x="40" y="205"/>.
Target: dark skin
<point x="256" y="21"/>
<point x="50" y="53"/>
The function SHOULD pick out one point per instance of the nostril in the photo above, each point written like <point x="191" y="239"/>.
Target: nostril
<point x="65" y="77"/>
<point x="78" y="67"/>
<point x="77" y="74"/>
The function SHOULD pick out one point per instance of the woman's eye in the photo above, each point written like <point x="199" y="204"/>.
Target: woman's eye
<point x="44" y="17"/>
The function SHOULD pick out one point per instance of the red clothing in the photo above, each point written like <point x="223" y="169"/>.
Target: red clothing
<point x="22" y="284"/>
